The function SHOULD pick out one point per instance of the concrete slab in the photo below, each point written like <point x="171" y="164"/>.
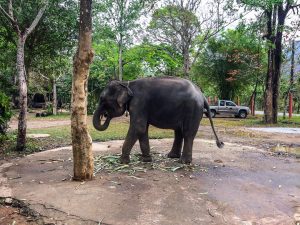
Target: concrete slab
<point x="237" y="185"/>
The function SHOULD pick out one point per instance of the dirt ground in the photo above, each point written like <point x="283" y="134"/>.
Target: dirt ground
<point x="253" y="180"/>
<point x="33" y="124"/>
<point x="235" y="185"/>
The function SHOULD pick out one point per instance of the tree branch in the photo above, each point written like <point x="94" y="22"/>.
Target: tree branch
<point x="295" y="6"/>
<point x="10" y="17"/>
<point x="36" y="20"/>
<point x="7" y="15"/>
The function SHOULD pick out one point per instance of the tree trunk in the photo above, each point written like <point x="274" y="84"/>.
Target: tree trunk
<point x="81" y="140"/>
<point x="22" y="35"/>
<point x="186" y="63"/>
<point x="281" y="14"/>
<point x="268" y="101"/>
<point x="285" y="105"/>
<point x="121" y="58"/>
<point x="275" y="23"/>
<point x="54" y="107"/>
<point x="291" y="80"/>
<point x="22" y="125"/>
<point x="292" y="64"/>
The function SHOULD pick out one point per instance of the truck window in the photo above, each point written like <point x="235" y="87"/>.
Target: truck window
<point x="230" y="104"/>
<point x="222" y="103"/>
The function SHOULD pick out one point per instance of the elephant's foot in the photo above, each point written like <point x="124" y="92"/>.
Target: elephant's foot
<point x="147" y="158"/>
<point x="185" y="160"/>
<point x="172" y="155"/>
<point x="124" y="159"/>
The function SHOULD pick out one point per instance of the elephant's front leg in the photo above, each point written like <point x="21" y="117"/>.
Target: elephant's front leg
<point x="145" y="147"/>
<point x="177" y="145"/>
<point x="130" y="140"/>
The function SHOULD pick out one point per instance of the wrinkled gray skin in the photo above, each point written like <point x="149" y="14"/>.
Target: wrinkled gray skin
<point x="167" y="103"/>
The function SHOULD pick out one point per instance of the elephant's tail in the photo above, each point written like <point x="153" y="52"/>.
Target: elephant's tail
<point x="220" y="144"/>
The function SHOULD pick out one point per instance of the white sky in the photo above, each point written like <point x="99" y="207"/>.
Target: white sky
<point x="211" y="4"/>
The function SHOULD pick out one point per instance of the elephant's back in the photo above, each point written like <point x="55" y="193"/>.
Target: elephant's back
<point x="168" y="101"/>
<point x="168" y="86"/>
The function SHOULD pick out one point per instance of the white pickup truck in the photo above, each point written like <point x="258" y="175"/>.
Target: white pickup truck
<point x="226" y="107"/>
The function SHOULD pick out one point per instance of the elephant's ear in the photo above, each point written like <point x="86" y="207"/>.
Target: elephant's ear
<point x="123" y="98"/>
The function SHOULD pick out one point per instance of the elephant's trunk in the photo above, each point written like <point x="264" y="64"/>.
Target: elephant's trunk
<point x="97" y="121"/>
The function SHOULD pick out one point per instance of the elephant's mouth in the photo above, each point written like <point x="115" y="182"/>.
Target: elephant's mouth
<point x="105" y="115"/>
<point x="98" y="121"/>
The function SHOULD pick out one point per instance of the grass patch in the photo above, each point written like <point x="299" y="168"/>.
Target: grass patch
<point x="61" y="135"/>
<point x="116" y="130"/>
<point x="256" y="121"/>
<point x="8" y="146"/>
<point x="59" y="116"/>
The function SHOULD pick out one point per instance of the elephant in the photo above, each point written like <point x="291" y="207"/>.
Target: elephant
<point x="164" y="102"/>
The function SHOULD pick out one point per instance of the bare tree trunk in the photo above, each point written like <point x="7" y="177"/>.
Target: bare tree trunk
<point x="292" y="64"/>
<point x="275" y="24"/>
<point x="22" y="125"/>
<point x="281" y="15"/>
<point x="22" y="36"/>
<point x="81" y="140"/>
<point x="186" y="63"/>
<point x="54" y="106"/>
<point x="121" y="58"/>
<point x="268" y="103"/>
<point x="268" y="100"/>
<point x="285" y="104"/>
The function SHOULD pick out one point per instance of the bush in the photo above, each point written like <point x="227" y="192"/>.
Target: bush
<point x="5" y="113"/>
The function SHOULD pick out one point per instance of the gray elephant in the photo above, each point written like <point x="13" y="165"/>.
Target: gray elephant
<point x="164" y="102"/>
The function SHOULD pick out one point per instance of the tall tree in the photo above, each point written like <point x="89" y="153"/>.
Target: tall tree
<point x="177" y="25"/>
<point x="22" y="31"/>
<point x="81" y="139"/>
<point x="231" y="63"/>
<point x="122" y="17"/>
<point x="185" y="26"/>
<point x="53" y="39"/>
<point x="275" y="15"/>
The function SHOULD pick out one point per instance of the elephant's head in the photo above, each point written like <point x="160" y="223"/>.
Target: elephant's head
<point x="113" y="103"/>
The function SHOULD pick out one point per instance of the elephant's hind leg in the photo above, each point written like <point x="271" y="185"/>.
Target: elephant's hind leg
<point x="177" y="145"/>
<point x="186" y="156"/>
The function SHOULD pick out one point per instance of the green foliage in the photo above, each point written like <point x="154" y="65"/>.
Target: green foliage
<point x="176" y="26"/>
<point x="48" y="48"/>
<point x="231" y="64"/>
<point x="5" y="113"/>
<point x="120" y="17"/>
<point x="263" y="4"/>
<point x="171" y="17"/>
<point x="155" y="60"/>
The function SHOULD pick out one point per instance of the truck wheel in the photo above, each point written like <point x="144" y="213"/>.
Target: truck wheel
<point x="243" y="114"/>
<point x="213" y="113"/>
